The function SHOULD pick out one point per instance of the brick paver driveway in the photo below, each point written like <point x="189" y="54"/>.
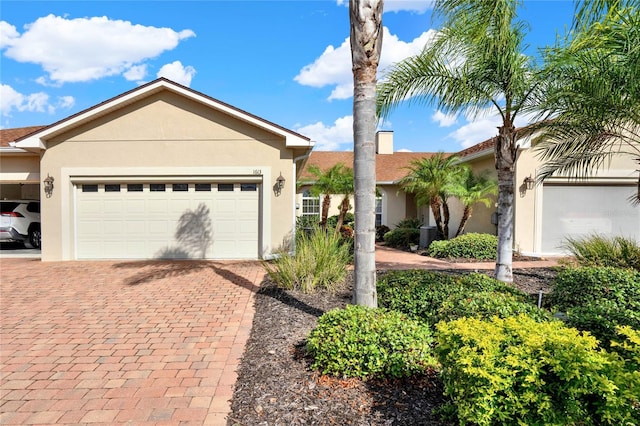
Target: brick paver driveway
<point x="122" y="342"/>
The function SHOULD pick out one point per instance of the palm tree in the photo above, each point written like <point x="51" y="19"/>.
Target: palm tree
<point x="476" y="62"/>
<point x="475" y="188"/>
<point x="365" y="18"/>
<point x="432" y="180"/>
<point x="591" y="111"/>
<point x="338" y="179"/>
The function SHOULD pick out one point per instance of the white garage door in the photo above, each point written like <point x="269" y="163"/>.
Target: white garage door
<point x="167" y="220"/>
<point x="580" y="211"/>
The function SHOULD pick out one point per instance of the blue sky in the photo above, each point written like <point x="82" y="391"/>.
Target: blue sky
<point x="286" y="61"/>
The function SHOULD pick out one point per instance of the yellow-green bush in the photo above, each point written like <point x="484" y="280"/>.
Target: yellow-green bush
<point x="516" y="371"/>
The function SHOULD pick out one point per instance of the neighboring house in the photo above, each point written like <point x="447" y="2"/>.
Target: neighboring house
<point x="392" y="204"/>
<point x="19" y="169"/>
<point x="161" y="171"/>
<point x="546" y="214"/>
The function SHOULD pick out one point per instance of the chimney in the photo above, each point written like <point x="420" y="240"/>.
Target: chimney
<point x="384" y="142"/>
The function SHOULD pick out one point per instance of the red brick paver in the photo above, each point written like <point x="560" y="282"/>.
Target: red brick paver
<point x="122" y="342"/>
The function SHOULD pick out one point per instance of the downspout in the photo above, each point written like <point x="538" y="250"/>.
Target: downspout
<point x="295" y="181"/>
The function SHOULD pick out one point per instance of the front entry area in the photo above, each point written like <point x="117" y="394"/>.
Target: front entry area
<point x="167" y="220"/>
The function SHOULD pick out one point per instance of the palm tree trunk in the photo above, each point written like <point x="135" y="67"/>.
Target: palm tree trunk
<point x="366" y="44"/>
<point x="344" y="208"/>
<point x="445" y="222"/>
<point x="435" y="209"/>
<point x="326" y="202"/>
<point x="505" y="152"/>
<point x="466" y="214"/>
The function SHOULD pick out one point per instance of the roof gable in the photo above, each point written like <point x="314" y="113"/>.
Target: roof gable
<point x="37" y="140"/>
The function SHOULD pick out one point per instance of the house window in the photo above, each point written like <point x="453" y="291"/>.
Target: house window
<point x="112" y="187"/>
<point x="134" y="187"/>
<point x="248" y="187"/>
<point x="180" y="187"/>
<point x="378" y="211"/>
<point x="89" y="188"/>
<point x="223" y="187"/>
<point x="157" y="187"/>
<point x="203" y="187"/>
<point x="310" y="205"/>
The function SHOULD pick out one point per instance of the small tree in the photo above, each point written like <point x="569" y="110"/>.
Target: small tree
<point x="338" y="179"/>
<point x="433" y="180"/>
<point x="474" y="188"/>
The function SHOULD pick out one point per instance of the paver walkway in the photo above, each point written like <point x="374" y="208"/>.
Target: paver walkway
<point x="122" y="342"/>
<point x="390" y="258"/>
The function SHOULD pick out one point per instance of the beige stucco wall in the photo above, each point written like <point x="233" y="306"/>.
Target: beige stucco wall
<point x="396" y="205"/>
<point x="20" y="168"/>
<point x="167" y="135"/>
<point x="528" y="203"/>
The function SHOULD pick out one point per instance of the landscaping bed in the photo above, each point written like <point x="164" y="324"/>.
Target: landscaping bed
<point x="276" y="386"/>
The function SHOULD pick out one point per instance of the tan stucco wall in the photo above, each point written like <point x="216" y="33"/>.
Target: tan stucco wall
<point x="169" y="135"/>
<point x="396" y="205"/>
<point x="528" y="203"/>
<point x="20" y="168"/>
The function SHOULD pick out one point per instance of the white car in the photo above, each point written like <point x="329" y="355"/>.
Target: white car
<point x="20" y="222"/>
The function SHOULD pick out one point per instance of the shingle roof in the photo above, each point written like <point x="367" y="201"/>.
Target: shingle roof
<point x="389" y="167"/>
<point x="10" y="135"/>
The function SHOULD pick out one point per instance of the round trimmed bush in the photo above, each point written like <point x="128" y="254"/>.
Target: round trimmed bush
<point x="365" y="342"/>
<point x="468" y="246"/>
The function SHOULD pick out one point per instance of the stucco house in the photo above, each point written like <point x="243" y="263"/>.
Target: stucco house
<point x="544" y="214"/>
<point x="392" y="204"/>
<point x="161" y="171"/>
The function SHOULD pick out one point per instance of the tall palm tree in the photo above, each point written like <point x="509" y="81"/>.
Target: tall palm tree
<point x="476" y="62"/>
<point x="432" y="180"/>
<point x="591" y="109"/>
<point x="338" y="179"/>
<point x="365" y="18"/>
<point x="475" y="188"/>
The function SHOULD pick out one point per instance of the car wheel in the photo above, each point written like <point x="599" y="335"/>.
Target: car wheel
<point x="34" y="240"/>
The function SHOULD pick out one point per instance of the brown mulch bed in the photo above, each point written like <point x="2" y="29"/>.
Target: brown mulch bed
<point x="276" y="386"/>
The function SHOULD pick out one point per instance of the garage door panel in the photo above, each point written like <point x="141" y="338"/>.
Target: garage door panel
<point x="576" y="211"/>
<point x="134" y="224"/>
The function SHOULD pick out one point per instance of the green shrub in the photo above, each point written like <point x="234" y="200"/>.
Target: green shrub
<point x="381" y="231"/>
<point x="597" y="250"/>
<point x="320" y="262"/>
<point x="433" y="296"/>
<point x="365" y="342"/>
<point x="402" y="237"/>
<point x="406" y="233"/>
<point x="518" y="371"/>
<point x="597" y="299"/>
<point x="332" y="221"/>
<point x="469" y="246"/>
<point x="488" y="304"/>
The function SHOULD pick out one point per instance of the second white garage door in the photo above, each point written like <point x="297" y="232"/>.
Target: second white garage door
<point x="577" y="211"/>
<point x="167" y="220"/>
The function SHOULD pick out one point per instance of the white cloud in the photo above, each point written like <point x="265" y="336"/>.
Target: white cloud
<point x="11" y="100"/>
<point x="484" y="127"/>
<point x="444" y="120"/>
<point x="85" y="49"/>
<point x="329" y="138"/>
<point x="136" y="73"/>
<point x="418" y="6"/>
<point x="8" y="34"/>
<point x="177" y="72"/>
<point x="333" y="67"/>
<point x="404" y="150"/>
